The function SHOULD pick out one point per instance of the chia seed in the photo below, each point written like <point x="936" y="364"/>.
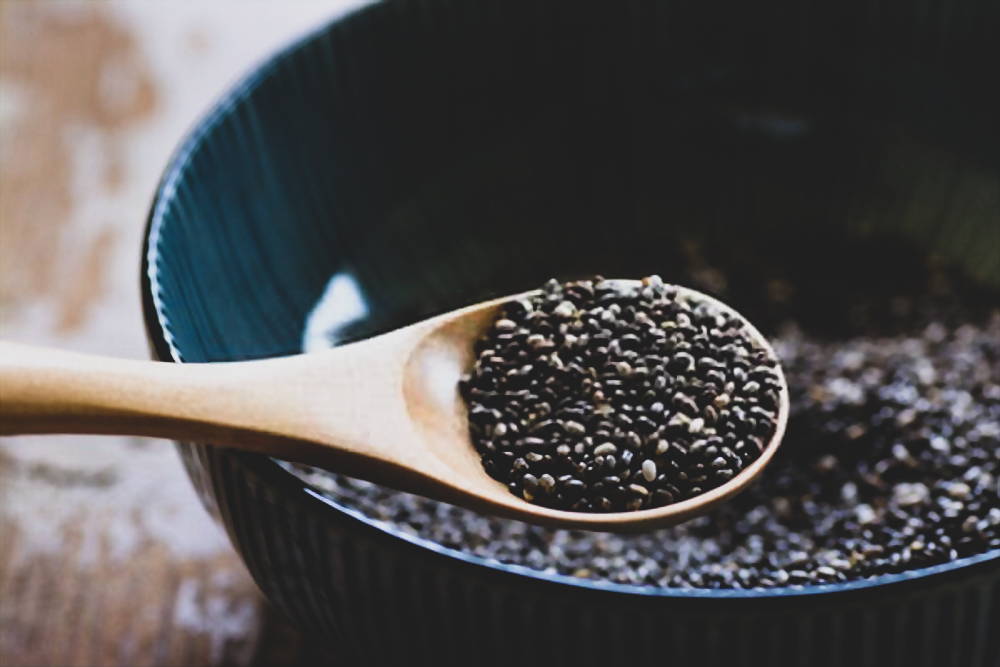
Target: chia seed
<point x="840" y="494"/>
<point x="601" y="409"/>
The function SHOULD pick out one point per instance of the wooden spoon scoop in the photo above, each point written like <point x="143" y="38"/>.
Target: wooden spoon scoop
<point x="386" y="409"/>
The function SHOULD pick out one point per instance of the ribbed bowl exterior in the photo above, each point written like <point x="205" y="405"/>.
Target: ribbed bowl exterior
<point x="543" y="117"/>
<point x="376" y="599"/>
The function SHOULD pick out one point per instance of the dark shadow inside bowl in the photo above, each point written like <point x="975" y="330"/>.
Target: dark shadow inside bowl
<point x="439" y="163"/>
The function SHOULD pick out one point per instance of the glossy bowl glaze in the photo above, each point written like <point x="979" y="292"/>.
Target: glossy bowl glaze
<point x="415" y="146"/>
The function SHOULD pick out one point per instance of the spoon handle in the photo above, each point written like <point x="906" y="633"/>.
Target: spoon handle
<point x="53" y="391"/>
<point x="339" y="409"/>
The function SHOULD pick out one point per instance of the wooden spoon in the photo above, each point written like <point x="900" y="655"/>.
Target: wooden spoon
<point x="386" y="409"/>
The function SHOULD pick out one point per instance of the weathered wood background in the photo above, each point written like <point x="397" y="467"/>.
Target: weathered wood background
<point x="106" y="558"/>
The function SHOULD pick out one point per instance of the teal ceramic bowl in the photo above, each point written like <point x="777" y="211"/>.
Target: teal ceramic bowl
<point x="444" y="151"/>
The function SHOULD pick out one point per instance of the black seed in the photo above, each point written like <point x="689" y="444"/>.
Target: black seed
<point x="682" y="362"/>
<point x="685" y="404"/>
<point x="645" y="425"/>
<point x="638" y="374"/>
<point x="638" y="489"/>
<point x="547" y="482"/>
<point x="606" y="448"/>
<point x="529" y="484"/>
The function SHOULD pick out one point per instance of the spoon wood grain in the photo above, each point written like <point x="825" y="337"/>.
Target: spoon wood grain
<point x="386" y="409"/>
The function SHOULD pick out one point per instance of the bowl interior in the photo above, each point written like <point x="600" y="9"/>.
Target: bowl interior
<point x="434" y="156"/>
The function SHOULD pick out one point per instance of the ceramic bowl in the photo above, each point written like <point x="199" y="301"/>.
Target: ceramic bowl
<point x="439" y="152"/>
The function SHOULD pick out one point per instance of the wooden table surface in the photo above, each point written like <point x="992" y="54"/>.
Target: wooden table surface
<point x="106" y="557"/>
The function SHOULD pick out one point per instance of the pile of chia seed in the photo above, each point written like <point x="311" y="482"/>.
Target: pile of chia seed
<point x="604" y="396"/>
<point x="891" y="461"/>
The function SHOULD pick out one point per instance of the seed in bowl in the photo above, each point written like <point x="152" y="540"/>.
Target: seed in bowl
<point x="606" y="396"/>
<point x="891" y="462"/>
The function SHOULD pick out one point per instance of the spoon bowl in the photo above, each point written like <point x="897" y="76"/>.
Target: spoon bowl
<point x="386" y="409"/>
<point x="439" y="414"/>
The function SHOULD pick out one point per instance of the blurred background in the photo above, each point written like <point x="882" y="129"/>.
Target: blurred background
<point x="106" y="557"/>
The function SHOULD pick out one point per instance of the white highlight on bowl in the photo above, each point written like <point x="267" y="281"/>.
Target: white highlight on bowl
<point x="342" y="304"/>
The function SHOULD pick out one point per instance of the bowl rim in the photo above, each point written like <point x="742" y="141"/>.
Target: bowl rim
<point x="163" y="347"/>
